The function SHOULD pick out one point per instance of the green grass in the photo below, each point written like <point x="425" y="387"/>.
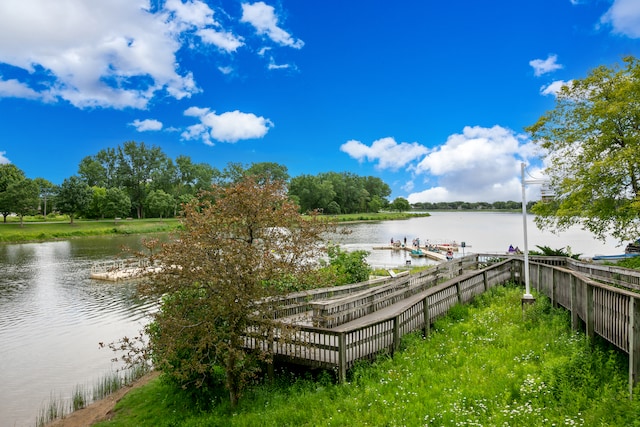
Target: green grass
<point x="35" y="229"/>
<point x="486" y="364"/>
<point x="375" y="216"/>
<point x="12" y="232"/>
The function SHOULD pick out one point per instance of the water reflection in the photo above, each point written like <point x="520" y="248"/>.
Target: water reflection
<point x="52" y="316"/>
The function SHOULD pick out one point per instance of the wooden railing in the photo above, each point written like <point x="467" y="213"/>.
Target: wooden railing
<point x="413" y="303"/>
<point x="612" y="312"/>
<point x="340" y="347"/>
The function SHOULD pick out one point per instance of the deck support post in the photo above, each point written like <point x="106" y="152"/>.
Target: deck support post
<point x="634" y="343"/>
<point x="342" y="358"/>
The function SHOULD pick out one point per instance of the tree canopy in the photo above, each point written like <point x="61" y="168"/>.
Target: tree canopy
<point x="591" y="144"/>
<point x="336" y="193"/>
<point x="241" y="244"/>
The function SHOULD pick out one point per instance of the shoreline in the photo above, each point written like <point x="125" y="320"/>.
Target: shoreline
<point x="101" y="410"/>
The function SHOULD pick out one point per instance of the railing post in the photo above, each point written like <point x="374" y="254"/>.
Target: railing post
<point x="458" y="292"/>
<point x="342" y="358"/>
<point x="574" y="303"/>
<point x="588" y="311"/>
<point x="634" y="343"/>
<point x="485" y="281"/>
<point x="427" y="319"/>
<point x="396" y="335"/>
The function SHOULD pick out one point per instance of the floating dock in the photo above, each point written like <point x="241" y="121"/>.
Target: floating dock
<point x="114" y="271"/>
<point x="436" y="256"/>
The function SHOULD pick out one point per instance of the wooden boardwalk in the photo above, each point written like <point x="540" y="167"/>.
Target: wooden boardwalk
<point x="336" y="327"/>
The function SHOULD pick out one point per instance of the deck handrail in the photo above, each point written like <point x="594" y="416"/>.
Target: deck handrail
<point x="604" y="309"/>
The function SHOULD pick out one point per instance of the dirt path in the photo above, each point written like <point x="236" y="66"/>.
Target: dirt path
<point x="102" y="409"/>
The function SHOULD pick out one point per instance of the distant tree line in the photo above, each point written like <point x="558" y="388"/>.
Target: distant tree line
<point x="339" y="193"/>
<point x="508" y="205"/>
<point x="137" y="180"/>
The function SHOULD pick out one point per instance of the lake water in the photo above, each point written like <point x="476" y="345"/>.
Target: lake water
<point x="52" y="315"/>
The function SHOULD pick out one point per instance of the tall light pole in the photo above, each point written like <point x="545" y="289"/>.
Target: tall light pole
<point x="527" y="297"/>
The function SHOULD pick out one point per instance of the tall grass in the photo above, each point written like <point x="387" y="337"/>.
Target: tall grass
<point x="486" y="364"/>
<point x="59" y="406"/>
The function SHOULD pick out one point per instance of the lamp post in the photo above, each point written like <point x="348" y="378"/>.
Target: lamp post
<point x="527" y="298"/>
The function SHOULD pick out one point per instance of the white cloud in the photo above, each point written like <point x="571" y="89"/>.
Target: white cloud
<point x="222" y="39"/>
<point x="146" y="125"/>
<point x="117" y="53"/>
<point x="481" y="164"/>
<point x="544" y="66"/>
<point x="193" y="13"/>
<point x="226" y="70"/>
<point x="554" y="87"/>
<point x="12" y="88"/>
<point x="624" y="18"/>
<point x="231" y="126"/>
<point x="265" y="21"/>
<point x="105" y="54"/>
<point x="3" y="158"/>
<point x="386" y="151"/>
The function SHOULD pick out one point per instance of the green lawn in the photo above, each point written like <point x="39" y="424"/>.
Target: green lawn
<point x="36" y="229"/>
<point x="61" y="229"/>
<point x="486" y="364"/>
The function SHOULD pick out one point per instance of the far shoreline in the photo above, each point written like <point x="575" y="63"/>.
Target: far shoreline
<point x="37" y="230"/>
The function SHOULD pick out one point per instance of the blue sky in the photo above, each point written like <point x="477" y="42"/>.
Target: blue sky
<point x="430" y="96"/>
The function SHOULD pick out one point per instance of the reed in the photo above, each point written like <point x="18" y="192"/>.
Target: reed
<point x="59" y="407"/>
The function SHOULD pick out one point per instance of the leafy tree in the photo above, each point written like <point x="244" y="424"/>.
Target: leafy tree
<point x="9" y="173"/>
<point x="592" y="141"/>
<point x="23" y="197"/>
<point x="239" y="245"/>
<point x="269" y="171"/>
<point x="47" y="190"/>
<point x="100" y="170"/>
<point x="95" y="209"/>
<point x="160" y="203"/>
<point x="137" y="166"/>
<point x="74" y="196"/>
<point x="116" y="203"/>
<point x="400" y="204"/>
<point x="376" y="204"/>
<point x="312" y="192"/>
<point x="347" y="267"/>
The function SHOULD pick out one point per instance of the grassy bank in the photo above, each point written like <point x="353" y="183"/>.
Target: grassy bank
<point x="36" y="229"/>
<point x="484" y="365"/>
<point x="12" y="232"/>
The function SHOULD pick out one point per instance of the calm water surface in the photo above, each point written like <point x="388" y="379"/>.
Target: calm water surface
<point x="52" y="315"/>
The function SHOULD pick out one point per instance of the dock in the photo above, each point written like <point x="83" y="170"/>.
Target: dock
<point x="117" y="270"/>
<point x="436" y="256"/>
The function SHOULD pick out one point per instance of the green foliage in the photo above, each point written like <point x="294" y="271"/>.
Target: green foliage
<point x="240" y="244"/>
<point x="592" y="141"/>
<point x="9" y="174"/>
<point x="630" y="263"/>
<point x="347" y="267"/>
<point x="484" y="366"/>
<point x="400" y="204"/>
<point x="23" y="197"/>
<point x="345" y="191"/>
<point x="74" y="197"/>
<point x="160" y="203"/>
<point x="547" y="251"/>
